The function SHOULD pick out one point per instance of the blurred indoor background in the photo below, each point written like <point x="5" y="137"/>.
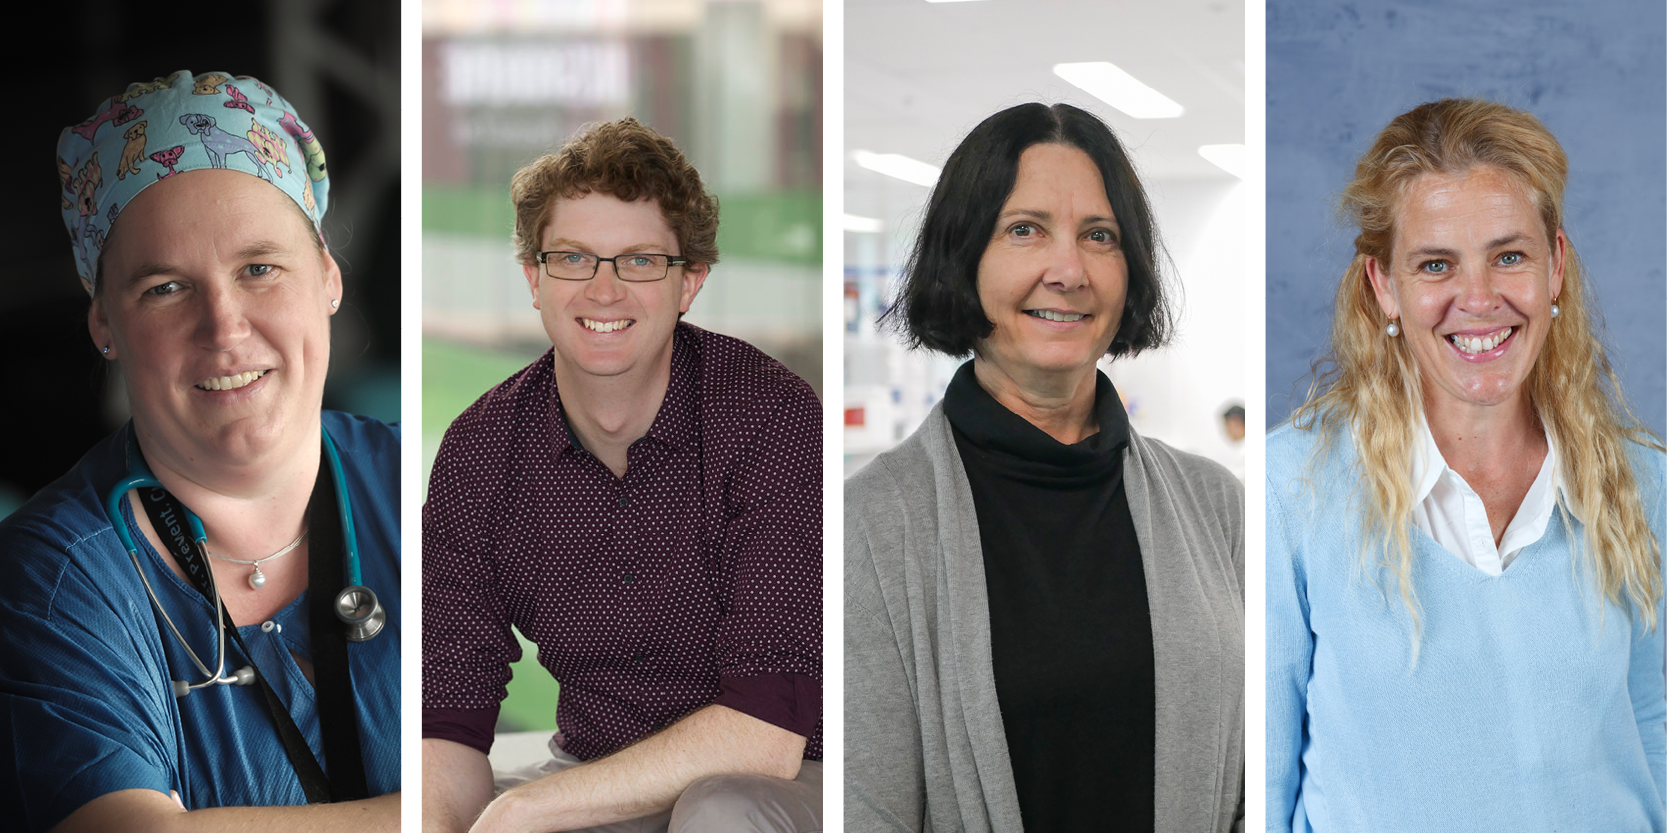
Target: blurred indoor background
<point x="737" y="84"/>
<point x="336" y="61"/>
<point x="919" y="75"/>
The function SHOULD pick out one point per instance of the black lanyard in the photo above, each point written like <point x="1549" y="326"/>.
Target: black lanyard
<point x="334" y="684"/>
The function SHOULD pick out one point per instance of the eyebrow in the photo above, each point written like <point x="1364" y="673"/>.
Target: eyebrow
<point x="1437" y="251"/>
<point x="635" y="248"/>
<point x="256" y="249"/>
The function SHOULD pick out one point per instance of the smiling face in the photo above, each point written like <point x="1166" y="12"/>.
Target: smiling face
<point x="1472" y="278"/>
<point x="605" y="326"/>
<point x="1053" y="277"/>
<point x="217" y="304"/>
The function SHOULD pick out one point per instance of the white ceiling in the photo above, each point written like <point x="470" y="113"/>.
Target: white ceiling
<point x="919" y="76"/>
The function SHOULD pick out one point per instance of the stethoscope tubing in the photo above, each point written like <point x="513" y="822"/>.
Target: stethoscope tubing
<point x="348" y="538"/>
<point x="140" y="476"/>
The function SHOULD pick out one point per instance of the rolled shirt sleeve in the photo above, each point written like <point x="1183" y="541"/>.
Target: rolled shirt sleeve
<point x="467" y="642"/>
<point x="769" y="642"/>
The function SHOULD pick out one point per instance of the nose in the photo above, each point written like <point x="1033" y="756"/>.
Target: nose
<point x="1066" y="270"/>
<point x="1478" y="294"/>
<point x="224" y="322"/>
<point x="606" y="287"/>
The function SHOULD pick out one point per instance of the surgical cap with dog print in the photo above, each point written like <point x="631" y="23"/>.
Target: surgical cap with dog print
<point x="171" y="125"/>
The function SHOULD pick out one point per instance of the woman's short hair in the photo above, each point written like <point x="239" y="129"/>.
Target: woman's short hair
<point x="621" y="159"/>
<point x="1374" y="380"/>
<point x="939" y="299"/>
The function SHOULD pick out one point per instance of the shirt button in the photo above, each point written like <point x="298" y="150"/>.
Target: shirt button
<point x="629" y="577"/>
<point x="269" y="626"/>
<point x="637" y="658"/>
<point x="624" y="500"/>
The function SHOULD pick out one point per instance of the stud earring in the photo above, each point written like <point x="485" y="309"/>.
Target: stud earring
<point x="1394" y="328"/>
<point x="335" y="303"/>
<point x="106" y="352"/>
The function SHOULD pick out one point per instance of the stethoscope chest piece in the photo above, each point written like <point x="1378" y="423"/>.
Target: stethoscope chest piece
<point x="359" y="610"/>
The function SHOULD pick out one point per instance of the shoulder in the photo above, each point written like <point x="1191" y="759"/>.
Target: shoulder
<point x="756" y="426"/>
<point x="1289" y="448"/>
<point x="899" y="495"/>
<point x="484" y="434"/>
<point x="737" y="377"/>
<point x="1298" y="455"/>
<point x="527" y="388"/>
<point x="360" y="435"/>
<point x="911" y="467"/>
<point x="1649" y="470"/>
<point x="1204" y="479"/>
<point x="63" y="528"/>
<point x="1649" y="464"/>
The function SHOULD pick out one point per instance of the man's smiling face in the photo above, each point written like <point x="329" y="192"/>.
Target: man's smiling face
<point x="606" y="326"/>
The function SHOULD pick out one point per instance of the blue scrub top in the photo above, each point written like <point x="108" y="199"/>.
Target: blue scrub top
<point x="86" y="707"/>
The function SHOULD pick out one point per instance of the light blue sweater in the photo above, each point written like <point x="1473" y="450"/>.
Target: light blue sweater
<point x="1535" y="704"/>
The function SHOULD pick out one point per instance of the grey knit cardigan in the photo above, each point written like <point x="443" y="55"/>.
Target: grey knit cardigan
<point x="924" y="744"/>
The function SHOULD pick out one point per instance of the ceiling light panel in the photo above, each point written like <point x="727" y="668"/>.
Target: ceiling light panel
<point x="1229" y="158"/>
<point x="897" y="165"/>
<point x="1109" y="83"/>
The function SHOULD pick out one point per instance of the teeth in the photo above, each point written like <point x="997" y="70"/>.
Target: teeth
<point x="1481" y="344"/>
<point x="1050" y="315"/>
<point x="231" y="382"/>
<point x="606" y="326"/>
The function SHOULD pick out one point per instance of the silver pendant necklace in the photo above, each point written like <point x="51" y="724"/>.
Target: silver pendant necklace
<point x="257" y="579"/>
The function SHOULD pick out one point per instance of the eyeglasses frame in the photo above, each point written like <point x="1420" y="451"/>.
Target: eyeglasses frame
<point x="671" y="260"/>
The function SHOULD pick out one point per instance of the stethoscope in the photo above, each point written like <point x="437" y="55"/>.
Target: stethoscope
<point x="356" y="604"/>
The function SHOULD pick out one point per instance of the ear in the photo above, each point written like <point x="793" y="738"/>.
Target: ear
<point x="694" y="277"/>
<point x="98" y="325"/>
<point x="1382" y="287"/>
<point x="1560" y="251"/>
<point x="533" y="271"/>
<point x="332" y="279"/>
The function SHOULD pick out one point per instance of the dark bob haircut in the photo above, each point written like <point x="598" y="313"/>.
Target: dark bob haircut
<point x="939" y="299"/>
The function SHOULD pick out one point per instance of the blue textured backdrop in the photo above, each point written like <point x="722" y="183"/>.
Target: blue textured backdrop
<point x="1593" y="72"/>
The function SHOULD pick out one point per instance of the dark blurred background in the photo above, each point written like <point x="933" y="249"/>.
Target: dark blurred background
<point x="336" y="61"/>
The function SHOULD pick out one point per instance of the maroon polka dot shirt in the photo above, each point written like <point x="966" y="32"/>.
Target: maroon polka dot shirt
<point x="695" y="579"/>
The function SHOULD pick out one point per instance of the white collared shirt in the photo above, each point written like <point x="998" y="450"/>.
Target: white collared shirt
<point x="1445" y="507"/>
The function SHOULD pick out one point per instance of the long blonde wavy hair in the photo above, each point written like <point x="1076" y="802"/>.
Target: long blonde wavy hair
<point x="1374" y="381"/>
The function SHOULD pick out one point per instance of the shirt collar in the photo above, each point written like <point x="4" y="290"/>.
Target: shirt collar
<point x="1428" y="466"/>
<point x="674" y="424"/>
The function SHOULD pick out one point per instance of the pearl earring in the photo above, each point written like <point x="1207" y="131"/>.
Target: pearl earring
<point x="335" y="303"/>
<point x="1394" y="328"/>
<point x="1554" y="310"/>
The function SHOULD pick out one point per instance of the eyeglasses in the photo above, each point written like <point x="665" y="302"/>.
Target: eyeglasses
<point x="582" y="266"/>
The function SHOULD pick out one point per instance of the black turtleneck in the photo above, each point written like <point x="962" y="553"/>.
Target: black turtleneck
<point x="1070" y="631"/>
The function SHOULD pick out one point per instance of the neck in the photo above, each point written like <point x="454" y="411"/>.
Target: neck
<point x="248" y="510"/>
<point x="1061" y="404"/>
<point x="609" y="413"/>
<point x="1484" y="440"/>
